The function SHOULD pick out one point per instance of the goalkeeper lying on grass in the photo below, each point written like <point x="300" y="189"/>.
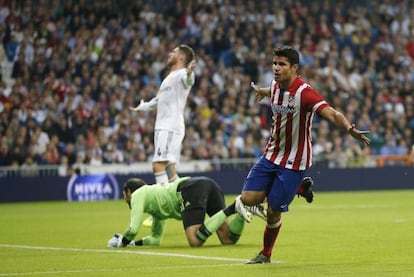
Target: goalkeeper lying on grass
<point x="187" y="199"/>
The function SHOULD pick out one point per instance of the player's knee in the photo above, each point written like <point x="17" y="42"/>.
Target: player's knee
<point x="273" y="215"/>
<point x="252" y="198"/>
<point x="195" y="243"/>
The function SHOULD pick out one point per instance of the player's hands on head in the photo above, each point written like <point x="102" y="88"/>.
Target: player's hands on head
<point x="191" y="67"/>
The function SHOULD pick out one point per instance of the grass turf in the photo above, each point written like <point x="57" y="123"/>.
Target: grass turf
<point x="340" y="234"/>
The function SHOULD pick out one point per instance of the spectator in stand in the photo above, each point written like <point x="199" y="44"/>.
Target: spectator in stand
<point x="71" y="54"/>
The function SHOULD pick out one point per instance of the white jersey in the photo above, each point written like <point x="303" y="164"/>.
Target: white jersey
<point x="172" y="98"/>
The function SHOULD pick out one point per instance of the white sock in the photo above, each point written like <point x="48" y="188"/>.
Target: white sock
<point x="173" y="178"/>
<point x="161" y="177"/>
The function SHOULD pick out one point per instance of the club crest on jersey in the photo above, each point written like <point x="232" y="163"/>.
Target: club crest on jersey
<point x="291" y="102"/>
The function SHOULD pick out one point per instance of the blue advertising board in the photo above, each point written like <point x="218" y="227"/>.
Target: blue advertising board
<point x="92" y="188"/>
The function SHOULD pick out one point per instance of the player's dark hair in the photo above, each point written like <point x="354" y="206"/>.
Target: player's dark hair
<point x="288" y="52"/>
<point x="133" y="184"/>
<point x="188" y="52"/>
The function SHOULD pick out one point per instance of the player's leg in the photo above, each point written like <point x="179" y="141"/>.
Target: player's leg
<point x="173" y="156"/>
<point x="191" y="228"/>
<point x="160" y="172"/>
<point x="163" y="155"/>
<point x="159" y="162"/>
<point x="197" y="234"/>
<point x="202" y="195"/>
<point x="194" y="195"/>
<point x="283" y="190"/>
<point x="231" y="230"/>
<point x="228" y="231"/>
<point x="258" y="182"/>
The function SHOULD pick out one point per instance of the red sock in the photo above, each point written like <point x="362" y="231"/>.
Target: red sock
<point x="300" y="189"/>
<point x="269" y="238"/>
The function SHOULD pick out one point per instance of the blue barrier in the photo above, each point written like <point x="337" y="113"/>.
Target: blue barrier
<point x="48" y="188"/>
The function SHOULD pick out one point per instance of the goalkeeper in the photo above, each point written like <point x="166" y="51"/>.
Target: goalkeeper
<point x="188" y="199"/>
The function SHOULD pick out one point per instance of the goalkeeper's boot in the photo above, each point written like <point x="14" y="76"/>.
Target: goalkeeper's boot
<point x="305" y="189"/>
<point x="259" y="259"/>
<point x="241" y="209"/>
<point x="147" y="222"/>
<point x="258" y="210"/>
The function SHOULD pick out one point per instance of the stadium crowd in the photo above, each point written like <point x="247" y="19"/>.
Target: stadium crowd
<point x="71" y="69"/>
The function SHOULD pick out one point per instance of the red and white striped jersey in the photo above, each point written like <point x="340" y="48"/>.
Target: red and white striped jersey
<point x="289" y="144"/>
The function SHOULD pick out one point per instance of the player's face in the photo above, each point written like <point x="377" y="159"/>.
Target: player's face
<point x="173" y="57"/>
<point x="284" y="72"/>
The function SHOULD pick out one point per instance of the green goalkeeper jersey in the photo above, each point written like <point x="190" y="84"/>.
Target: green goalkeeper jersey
<point x="161" y="202"/>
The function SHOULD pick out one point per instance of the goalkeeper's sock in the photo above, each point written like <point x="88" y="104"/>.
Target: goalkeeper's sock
<point x="269" y="237"/>
<point x="228" y="211"/>
<point x="161" y="177"/>
<point x="236" y="227"/>
<point x="211" y="225"/>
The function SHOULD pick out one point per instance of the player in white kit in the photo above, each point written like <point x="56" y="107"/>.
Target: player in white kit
<point x="170" y="101"/>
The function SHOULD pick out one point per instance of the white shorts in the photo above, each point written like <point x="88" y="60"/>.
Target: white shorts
<point x="167" y="146"/>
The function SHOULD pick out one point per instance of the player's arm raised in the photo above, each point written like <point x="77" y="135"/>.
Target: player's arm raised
<point x="260" y="92"/>
<point x="339" y="120"/>
<point x="145" y="106"/>
<point x="189" y="78"/>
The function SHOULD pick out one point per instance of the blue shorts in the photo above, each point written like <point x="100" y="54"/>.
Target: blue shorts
<point x="279" y="183"/>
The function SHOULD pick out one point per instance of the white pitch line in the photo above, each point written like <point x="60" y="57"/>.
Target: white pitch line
<point x="54" y="272"/>
<point x="113" y="270"/>
<point x="121" y="251"/>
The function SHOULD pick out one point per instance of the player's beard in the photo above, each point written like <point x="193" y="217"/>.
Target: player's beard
<point x="171" y="62"/>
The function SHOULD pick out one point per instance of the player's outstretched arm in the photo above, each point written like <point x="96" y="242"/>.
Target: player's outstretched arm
<point x="339" y="120"/>
<point x="260" y="92"/>
<point x="188" y="79"/>
<point x="145" y="106"/>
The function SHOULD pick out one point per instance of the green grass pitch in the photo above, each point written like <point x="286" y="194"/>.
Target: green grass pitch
<point x="340" y="234"/>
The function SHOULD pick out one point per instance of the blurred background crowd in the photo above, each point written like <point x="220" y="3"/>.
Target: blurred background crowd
<point x="70" y="70"/>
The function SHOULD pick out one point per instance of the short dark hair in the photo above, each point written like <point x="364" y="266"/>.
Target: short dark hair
<point x="288" y="52"/>
<point x="133" y="184"/>
<point x="188" y="52"/>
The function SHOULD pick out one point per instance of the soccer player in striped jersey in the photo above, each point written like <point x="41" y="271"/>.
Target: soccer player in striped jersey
<point x="288" y="154"/>
<point x="169" y="129"/>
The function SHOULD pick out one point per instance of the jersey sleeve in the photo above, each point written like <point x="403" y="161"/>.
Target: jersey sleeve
<point x="157" y="233"/>
<point x="313" y="101"/>
<point x="137" y="215"/>
<point x="188" y="80"/>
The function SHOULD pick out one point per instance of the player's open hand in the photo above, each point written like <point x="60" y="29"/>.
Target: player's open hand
<point x="359" y="135"/>
<point x="140" y="107"/>
<point x="259" y="92"/>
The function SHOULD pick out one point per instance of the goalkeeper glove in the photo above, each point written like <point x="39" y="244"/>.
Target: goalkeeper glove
<point x="116" y="241"/>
